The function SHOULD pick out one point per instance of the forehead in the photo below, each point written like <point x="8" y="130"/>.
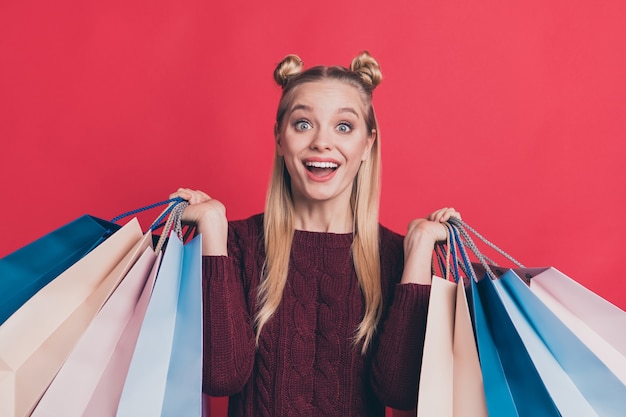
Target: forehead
<point x="327" y="94"/>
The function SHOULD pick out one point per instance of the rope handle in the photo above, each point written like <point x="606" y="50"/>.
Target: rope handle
<point x="159" y="221"/>
<point x="173" y="212"/>
<point x="453" y="250"/>
<point x="469" y="271"/>
<point x="448" y="256"/>
<point x="464" y="227"/>
<point x="173" y="224"/>
<point x="442" y="255"/>
<point x="465" y="240"/>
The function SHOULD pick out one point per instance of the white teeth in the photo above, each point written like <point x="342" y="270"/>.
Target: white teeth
<point x="321" y="164"/>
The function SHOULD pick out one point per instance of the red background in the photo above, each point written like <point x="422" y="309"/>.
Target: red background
<point x="512" y="112"/>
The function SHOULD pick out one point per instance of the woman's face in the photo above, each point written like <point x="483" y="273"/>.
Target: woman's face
<point x="323" y="140"/>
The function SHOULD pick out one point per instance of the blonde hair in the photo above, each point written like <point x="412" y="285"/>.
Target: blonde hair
<point x="364" y="75"/>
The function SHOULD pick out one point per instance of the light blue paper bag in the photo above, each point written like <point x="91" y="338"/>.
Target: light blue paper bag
<point x="165" y="374"/>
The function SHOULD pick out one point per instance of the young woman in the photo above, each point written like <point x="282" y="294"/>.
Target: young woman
<point x="312" y="308"/>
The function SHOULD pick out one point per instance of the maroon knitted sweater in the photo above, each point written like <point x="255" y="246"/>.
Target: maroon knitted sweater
<point x="306" y="363"/>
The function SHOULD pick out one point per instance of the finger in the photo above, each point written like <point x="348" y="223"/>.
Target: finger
<point x="438" y="215"/>
<point x="192" y="196"/>
<point x="451" y="212"/>
<point x="187" y="194"/>
<point x="203" y="196"/>
<point x="198" y="197"/>
<point x="445" y="214"/>
<point x="182" y="193"/>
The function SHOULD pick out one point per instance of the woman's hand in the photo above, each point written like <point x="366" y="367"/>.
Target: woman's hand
<point x="419" y="242"/>
<point x="209" y="217"/>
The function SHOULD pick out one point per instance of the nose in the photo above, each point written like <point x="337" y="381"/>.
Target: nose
<point x="322" y="141"/>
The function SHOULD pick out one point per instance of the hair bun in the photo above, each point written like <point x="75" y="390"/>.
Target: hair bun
<point x="287" y="68"/>
<point x="367" y="68"/>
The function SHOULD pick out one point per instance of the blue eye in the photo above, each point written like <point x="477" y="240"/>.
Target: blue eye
<point x="344" y="127"/>
<point x="303" y="125"/>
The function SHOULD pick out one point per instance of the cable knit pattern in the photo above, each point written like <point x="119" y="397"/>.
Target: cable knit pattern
<point x="306" y="363"/>
<point x="299" y="355"/>
<point x="332" y="330"/>
<point x="264" y="378"/>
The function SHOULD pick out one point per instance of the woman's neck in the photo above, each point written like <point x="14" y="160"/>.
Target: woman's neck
<point x="323" y="217"/>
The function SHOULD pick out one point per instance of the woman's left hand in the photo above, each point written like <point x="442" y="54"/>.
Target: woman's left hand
<point x="419" y="242"/>
<point x="431" y="225"/>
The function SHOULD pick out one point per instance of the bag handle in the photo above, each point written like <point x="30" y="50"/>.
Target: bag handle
<point x="447" y="255"/>
<point x="454" y="250"/>
<point x="157" y="223"/>
<point x="442" y="255"/>
<point x="173" y="224"/>
<point x="464" y="239"/>
<point x="466" y="264"/>
<point x="464" y="227"/>
<point x="173" y="212"/>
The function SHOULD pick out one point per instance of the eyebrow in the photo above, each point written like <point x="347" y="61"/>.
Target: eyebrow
<point x="341" y="110"/>
<point x="348" y="110"/>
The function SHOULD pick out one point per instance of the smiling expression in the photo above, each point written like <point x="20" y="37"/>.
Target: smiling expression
<point x="323" y="139"/>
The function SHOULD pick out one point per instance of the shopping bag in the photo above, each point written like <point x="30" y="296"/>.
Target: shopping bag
<point x="498" y="395"/>
<point x="437" y="372"/>
<point x="93" y="375"/>
<point x="513" y="386"/>
<point x="165" y="374"/>
<point x="183" y="394"/>
<point x="451" y="382"/>
<point x="590" y="317"/>
<point x="37" y="338"/>
<point x="30" y="268"/>
<point x="80" y="375"/>
<point x="469" y="394"/>
<point x="578" y="381"/>
<point x="106" y="396"/>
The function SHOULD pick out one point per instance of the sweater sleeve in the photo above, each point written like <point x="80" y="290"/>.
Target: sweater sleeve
<point x="229" y="340"/>
<point x="397" y="356"/>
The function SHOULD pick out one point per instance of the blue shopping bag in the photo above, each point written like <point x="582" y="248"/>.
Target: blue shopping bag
<point x="165" y="374"/>
<point x="30" y="268"/>
<point x="526" y="388"/>
<point x="184" y="378"/>
<point x="497" y="392"/>
<point x="541" y="361"/>
<point x="513" y="386"/>
<point x="578" y="381"/>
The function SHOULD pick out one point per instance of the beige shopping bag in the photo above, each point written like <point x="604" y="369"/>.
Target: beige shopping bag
<point x="38" y="337"/>
<point x="106" y="395"/>
<point x="467" y="385"/>
<point x="77" y="381"/>
<point x="450" y="381"/>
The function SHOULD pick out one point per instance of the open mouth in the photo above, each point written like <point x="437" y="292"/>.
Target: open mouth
<point x="321" y="169"/>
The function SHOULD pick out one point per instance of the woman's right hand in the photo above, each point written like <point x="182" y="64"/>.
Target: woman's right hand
<point x="209" y="217"/>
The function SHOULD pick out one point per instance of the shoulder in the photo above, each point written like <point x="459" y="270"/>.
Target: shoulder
<point x="252" y="223"/>
<point x="391" y="249"/>
<point x="246" y="230"/>
<point x="389" y="238"/>
<point x="391" y="246"/>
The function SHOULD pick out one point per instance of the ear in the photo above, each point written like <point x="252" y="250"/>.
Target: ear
<point x="368" y="147"/>
<point x="279" y="150"/>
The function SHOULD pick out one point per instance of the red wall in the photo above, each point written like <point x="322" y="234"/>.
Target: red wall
<point x="513" y="113"/>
